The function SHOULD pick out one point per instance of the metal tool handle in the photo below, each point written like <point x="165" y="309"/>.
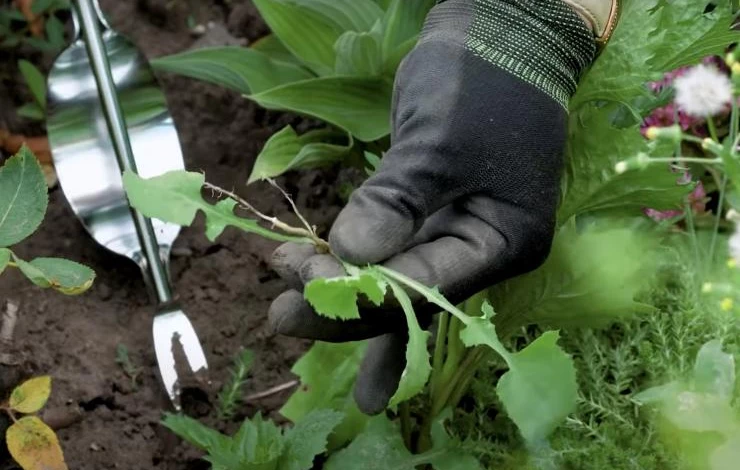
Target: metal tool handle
<point x="90" y="21"/>
<point x="77" y="21"/>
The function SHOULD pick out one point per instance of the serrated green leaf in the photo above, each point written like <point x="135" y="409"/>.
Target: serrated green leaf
<point x="359" y="54"/>
<point x="379" y="447"/>
<point x="361" y="106"/>
<point x="5" y="255"/>
<point x="416" y="373"/>
<point x="35" y="81"/>
<point x="327" y="372"/>
<point x="446" y="451"/>
<point x="286" y="151"/>
<point x="714" y="371"/>
<point x="540" y="390"/>
<point x="308" y="438"/>
<point x="337" y="297"/>
<point x="195" y="433"/>
<point x="259" y="444"/>
<point x="293" y="24"/>
<point x="31" y="395"/>
<point x="65" y="276"/>
<point x="176" y="197"/>
<point x="238" y="68"/>
<point x="23" y="197"/>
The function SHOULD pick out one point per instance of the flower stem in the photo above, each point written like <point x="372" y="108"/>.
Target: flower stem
<point x="439" y="352"/>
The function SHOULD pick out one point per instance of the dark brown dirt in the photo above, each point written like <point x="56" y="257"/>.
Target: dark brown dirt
<point x="225" y="287"/>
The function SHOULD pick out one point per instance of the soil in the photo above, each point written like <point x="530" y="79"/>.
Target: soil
<point x="105" y="419"/>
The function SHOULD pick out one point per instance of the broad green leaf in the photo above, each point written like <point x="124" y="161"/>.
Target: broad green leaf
<point x="40" y="6"/>
<point x="393" y="59"/>
<point x="23" y="197"/>
<point x="403" y="21"/>
<point x="359" y="54"/>
<point x="271" y="46"/>
<point x="446" y="452"/>
<point x="416" y="373"/>
<point x="68" y="277"/>
<point x="337" y="297"/>
<point x="259" y="444"/>
<point x="287" y="151"/>
<point x="714" y="371"/>
<point x="699" y="412"/>
<point x="327" y="372"/>
<point x="379" y="447"/>
<point x="31" y="395"/>
<point x="308" y="438"/>
<point x="35" y="81"/>
<point x="540" y="390"/>
<point x="31" y="111"/>
<point x="5" y="255"/>
<point x="361" y="106"/>
<point x="176" y="197"/>
<point x="195" y="433"/>
<point x="55" y="31"/>
<point x="238" y="68"/>
<point x="345" y="15"/>
<point x="726" y="456"/>
<point x="34" y="445"/>
<point x="591" y="278"/>
<point x="308" y="35"/>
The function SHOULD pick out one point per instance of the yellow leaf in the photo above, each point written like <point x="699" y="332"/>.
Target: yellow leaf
<point x="31" y="395"/>
<point x="34" y="445"/>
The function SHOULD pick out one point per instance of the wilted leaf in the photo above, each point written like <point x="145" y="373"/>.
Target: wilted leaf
<point x="68" y="277"/>
<point x="238" y="68"/>
<point x="361" y="106"/>
<point x="308" y="438"/>
<point x="287" y="151"/>
<point x="176" y="197"/>
<point x="337" y="297"/>
<point x="23" y="197"/>
<point x="34" y="445"/>
<point x="31" y="395"/>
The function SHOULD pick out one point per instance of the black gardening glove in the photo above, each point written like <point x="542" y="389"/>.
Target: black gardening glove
<point x="466" y="196"/>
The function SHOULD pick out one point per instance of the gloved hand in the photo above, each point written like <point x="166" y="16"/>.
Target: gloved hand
<point x="466" y="196"/>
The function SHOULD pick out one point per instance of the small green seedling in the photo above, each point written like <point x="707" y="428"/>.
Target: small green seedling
<point x="36" y="83"/>
<point x="228" y="399"/>
<point x="32" y="443"/>
<point x="23" y="202"/>
<point x="39" y="28"/>
<point x="124" y="361"/>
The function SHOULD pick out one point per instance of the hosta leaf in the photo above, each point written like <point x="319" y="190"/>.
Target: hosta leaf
<point x="416" y="373"/>
<point x="540" y="390"/>
<point x="271" y="46"/>
<point x="307" y="34"/>
<point x="35" y="81"/>
<point x="714" y="371"/>
<point x="176" y="197"/>
<point x="346" y="15"/>
<point x="337" y="297"/>
<point x="23" y="197"/>
<point x="287" y="151"/>
<point x="308" y="438"/>
<point x="359" y="54"/>
<point x="327" y="372"/>
<point x="31" y="395"/>
<point x="34" y="445"/>
<point x="5" y="255"/>
<point x="403" y="21"/>
<point x="361" y="106"/>
<point x="68" y="277"/>
<point x="238" y="68"/>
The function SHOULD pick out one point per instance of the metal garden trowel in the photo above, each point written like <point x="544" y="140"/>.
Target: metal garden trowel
<point x="107" y="114"/>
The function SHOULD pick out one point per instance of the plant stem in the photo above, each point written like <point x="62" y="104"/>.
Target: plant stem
<point x="439" y="352"/>
<point x="712" y="128"/>
<point x="405" y="409"/>
<point x="705" y="161"/>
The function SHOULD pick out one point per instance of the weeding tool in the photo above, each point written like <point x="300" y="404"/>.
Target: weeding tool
<point x="106" y="114"/>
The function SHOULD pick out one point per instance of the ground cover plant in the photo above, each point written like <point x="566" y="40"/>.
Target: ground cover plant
<point x="581" y="284"/>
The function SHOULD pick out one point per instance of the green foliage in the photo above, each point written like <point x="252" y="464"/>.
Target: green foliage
<point x="15" y="29"/>
<point x="259" y="444"/>
<point x="228" y="398"/>
<point x="342" y="76"/>
<point x="37" y="84"/>
<point x="123" y="359"/>
<point x="381" y="447"/>
<point x="327" y="373"/>
<point x="337" y="297"/>
<point x="23" y="201"/>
